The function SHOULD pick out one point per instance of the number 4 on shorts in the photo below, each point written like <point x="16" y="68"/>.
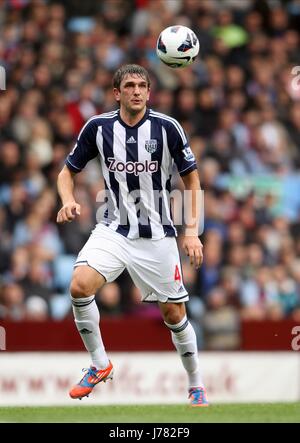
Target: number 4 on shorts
<point x="177" y="274"/>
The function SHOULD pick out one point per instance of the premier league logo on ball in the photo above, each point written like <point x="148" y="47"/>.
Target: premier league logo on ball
<point x="151" y="146"/>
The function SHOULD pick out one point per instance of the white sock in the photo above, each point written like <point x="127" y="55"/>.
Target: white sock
<point x="87" y="318"/>
<point x="184" y="339"/>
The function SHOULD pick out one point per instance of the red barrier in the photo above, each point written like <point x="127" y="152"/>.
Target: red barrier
<point x="137" y="334"/>
<point x="122" y="334"/>
<point x="269" y="335"/>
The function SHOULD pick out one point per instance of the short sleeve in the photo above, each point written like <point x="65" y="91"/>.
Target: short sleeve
<point x="180" y="149"/>
<point x="85" y="148"/>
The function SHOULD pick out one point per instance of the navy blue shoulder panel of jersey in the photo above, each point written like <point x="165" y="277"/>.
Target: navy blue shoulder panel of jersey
<point x="86" y="148"/>
<point x="179" y="147"/>
<point x="178" y="144"/>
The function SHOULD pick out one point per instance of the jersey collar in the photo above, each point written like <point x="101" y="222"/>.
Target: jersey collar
<point x="138" y="124"/>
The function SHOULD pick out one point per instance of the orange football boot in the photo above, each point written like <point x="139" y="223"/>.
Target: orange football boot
<point x="92" y="377"/>
<point x="198" y="397"/>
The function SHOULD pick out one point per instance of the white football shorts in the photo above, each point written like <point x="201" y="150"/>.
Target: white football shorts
<point x="154" y="265"/>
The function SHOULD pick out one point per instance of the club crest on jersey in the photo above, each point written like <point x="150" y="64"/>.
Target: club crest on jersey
<point x="151" y="146"/>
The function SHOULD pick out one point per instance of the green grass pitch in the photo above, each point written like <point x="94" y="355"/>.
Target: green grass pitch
<point x="216" y="413"/>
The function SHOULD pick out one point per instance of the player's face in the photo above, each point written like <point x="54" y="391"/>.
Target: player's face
<point x="133" y="94"/>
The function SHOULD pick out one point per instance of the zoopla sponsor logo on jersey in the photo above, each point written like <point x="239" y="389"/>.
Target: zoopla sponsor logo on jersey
<point x="135" y="168"/>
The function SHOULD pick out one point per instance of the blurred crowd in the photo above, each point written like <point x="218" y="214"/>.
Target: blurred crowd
<point x="239" y="103"/>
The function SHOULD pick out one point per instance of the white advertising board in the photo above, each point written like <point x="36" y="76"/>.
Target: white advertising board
<point x="152" y="377"/>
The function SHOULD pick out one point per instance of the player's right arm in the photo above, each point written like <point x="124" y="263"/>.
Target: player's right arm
<point x="84" y="150"/>
<point x="65" y="186"/>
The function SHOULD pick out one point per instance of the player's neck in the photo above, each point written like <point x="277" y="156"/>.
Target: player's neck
<point x="131" y="119"/>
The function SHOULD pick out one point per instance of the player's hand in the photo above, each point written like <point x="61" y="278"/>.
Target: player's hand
<point x="193" y="249"/>
<point x="68" y="212"/>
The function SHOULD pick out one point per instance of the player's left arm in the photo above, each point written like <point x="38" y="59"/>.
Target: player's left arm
<point x="191" y="242"/>
<point x="187" y="168"/>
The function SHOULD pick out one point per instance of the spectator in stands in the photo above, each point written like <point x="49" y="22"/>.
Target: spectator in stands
<point x="108" y="299"/>
<point x="221" y="322"/>
<point x="259" y="294"/>
<point x="12" y="306"/>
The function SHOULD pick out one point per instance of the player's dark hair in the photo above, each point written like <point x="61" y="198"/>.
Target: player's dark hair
<point x="129" y="69"/>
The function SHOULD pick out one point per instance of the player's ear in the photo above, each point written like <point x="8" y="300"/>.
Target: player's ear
<point x="148" y="94"/>
<point x="117" y="94"/>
